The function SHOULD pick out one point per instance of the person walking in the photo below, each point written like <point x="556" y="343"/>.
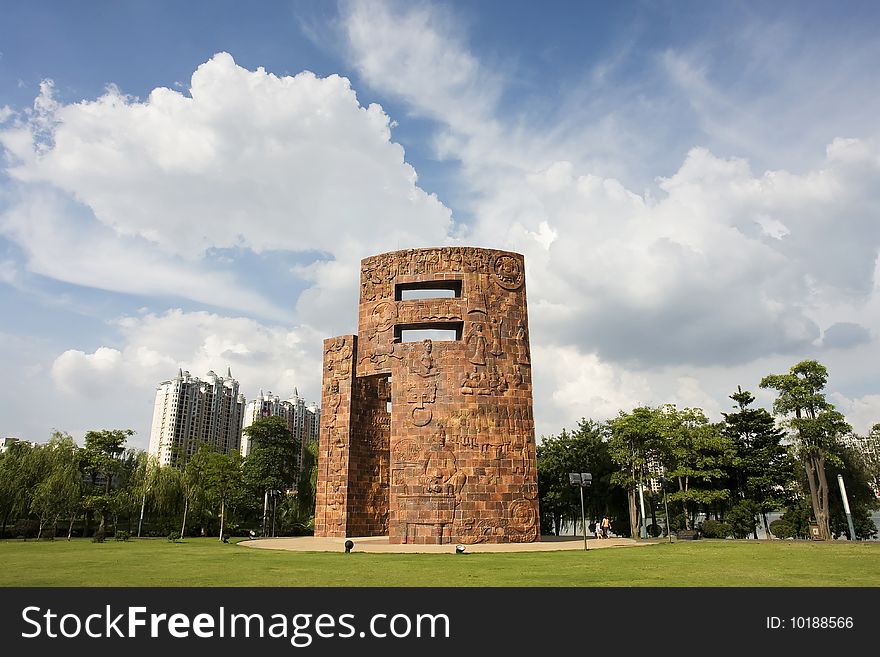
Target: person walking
<point x="606" y="525"/>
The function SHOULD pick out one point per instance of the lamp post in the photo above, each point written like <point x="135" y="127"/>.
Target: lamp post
<point x="581" y="480"/>
<point x="665" y="481"/>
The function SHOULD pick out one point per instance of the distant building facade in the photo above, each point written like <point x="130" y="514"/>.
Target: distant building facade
<point x="303" y="420"/>
<point x="6" y="443"/>
<point x="190" y="412"/>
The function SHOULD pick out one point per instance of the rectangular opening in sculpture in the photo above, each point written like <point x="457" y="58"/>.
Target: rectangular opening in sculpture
<point x="438" y="332"/>
<point x="427" y="290"/>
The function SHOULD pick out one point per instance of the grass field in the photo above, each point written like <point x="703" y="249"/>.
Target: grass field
<point x="207" y="562"/>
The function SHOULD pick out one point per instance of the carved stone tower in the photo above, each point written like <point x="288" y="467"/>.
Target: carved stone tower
<point x="431" y="440"/>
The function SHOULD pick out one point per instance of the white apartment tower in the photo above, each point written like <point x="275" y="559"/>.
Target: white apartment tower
<point x="302" y="420"/>
<point x="190" y="412"/>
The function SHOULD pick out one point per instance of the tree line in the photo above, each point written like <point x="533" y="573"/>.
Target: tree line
<point x="106" y="488"/>
<point x="730" y="473"/>
<point x="726" y="476"/>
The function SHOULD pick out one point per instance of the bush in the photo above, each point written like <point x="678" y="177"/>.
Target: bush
<point x="173" y="536"/>
<point x="654" y="530"/>
<point x="48" y="534"/>
<point x="98" y="537"/>
<point x="715" y="529"/>
<point x="121" y="535"/>
<point x="687" y="535"/>
<point x="742" y="518"/>
<point x="782" y="529"/>
<point x="799" y="515"/>
<point x="26" y="529"/>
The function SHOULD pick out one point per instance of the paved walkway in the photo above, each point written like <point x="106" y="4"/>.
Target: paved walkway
<point x="381" y="544"/>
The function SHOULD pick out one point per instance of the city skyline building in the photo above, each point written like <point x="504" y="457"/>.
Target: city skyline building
<point x="303" y="420"/>
<point x="189" y="412"/>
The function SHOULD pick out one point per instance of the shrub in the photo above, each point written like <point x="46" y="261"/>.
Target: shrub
<point x="742" y="518"/>
<point x="782" y="529"/>
<point x="654" y="530"/>
<point x="715" y="529"/>
<point x="48" y="534"/>
<point x="173" y="536"/>
<point x="121" y="535"/>
<point x="98" y="537"/>
<point x="26" y="529"/>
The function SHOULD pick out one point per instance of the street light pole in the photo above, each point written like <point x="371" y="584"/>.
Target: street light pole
<point x="583" y="518"/>
<point x="666" y="510"/>
<point x="581" y="480"/>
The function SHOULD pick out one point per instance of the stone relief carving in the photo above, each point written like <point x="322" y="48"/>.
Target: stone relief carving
<point x="420" y="394"/>
<point x="441" y="476"/>
<point x="379" y="353"/>
<point x="476" y="344"/>
<point x="384" y="316"/>
<point x="522" y="347"/>
<point x="508" y="272"/>
<point x="479" y="382"/>
<point x="422" y="361"/>
<point x="337" y="359"/>
<point x="460" y="427"/>
<point x="496" y="324"/>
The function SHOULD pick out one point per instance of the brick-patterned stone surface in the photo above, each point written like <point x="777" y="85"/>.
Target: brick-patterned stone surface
<point x="454" y="461"/>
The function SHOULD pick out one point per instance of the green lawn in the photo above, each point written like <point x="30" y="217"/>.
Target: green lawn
<point x="207" y="562"/>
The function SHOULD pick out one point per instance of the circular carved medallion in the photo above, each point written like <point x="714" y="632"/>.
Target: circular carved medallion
<point x="508" y="272"/>
<point x="522" y="516"/>
<point x="384" y="315"/>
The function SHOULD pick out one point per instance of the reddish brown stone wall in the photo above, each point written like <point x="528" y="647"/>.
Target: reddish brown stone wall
<point x="368" y="473"/>
<point x="460" y="448"/>
<point x="331" y="497"/>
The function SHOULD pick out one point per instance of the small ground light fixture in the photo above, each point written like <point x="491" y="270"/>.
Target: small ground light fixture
<point x="349" y="544"/>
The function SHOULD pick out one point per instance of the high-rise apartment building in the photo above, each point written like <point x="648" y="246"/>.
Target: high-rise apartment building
<point x="302" y="420"/>
<point x="190" y="412"/>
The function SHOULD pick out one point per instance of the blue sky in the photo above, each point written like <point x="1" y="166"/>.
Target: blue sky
<point x="694" y="186"/>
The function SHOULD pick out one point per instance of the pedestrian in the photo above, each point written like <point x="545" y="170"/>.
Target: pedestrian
<point x="606" y="525"/>
<point x="597" y="527"/>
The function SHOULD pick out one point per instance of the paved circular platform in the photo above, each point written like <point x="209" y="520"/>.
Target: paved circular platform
<point x="381" y="544"/>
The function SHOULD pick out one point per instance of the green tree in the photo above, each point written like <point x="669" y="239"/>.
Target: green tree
<point x="59" y="491"/>
<point x="583" y="450"/>
<point x="815" y="427"/>
<point x="101" y="460"/>
<point x="695" y="455"/>
<point x="223" y="482"/>
<point x="194" y="483"/>
<point x="308" y="486"/>
<point x="871" y="458"/>
<point x="165" y="498"/>
<point x="127" y="496"/>
<point x="16" y="475"/>
<point x="272" y="463"/>
<point x="636" y="439"/>
<point x="761" y="467"/>
<point x="102" y="454"/>
<point x="850" y="465"/>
